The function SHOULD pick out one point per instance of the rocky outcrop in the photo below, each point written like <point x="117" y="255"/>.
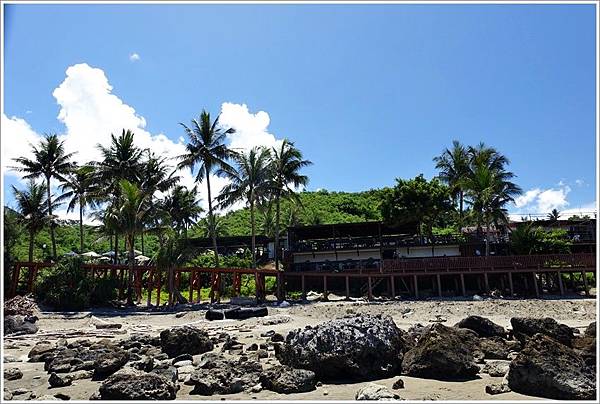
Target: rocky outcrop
<point x="496" y="368"/>
<point x="135" y="385"/>
<point x="286" y="380"/>
<point x="56" y="380"/>
<point x="375" y="392"/>
<point x="482" y="326"/>
<point x="444" y="353"/>
<point x="524" y="327"/>
<point x="358" y="348"/>
<point x="497" y="348"/>
<point x="109" y="359"/>
<point x="547" y="368"/>
<point x="590" y="331"/>
<point x="217" y="375"/>
<point x="20" y="325"/>
<point x="185" y="340"/>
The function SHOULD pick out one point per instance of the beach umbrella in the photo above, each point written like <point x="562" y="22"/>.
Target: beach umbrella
<point x="142" y="258"/>
<point x="71" y="254"/>
<point x="91" y="254"/>
<point x="109" y="254"/>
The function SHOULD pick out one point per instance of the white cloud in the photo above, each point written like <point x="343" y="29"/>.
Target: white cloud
<point x="16" y="140"/>
<point x="250" y="129"/>
<point x="542" y="201"/>
<point x="579" y="182"/>
<point x="134" y="57"/>
<point x="527" y="197"/>
<point x="90" y="112"/>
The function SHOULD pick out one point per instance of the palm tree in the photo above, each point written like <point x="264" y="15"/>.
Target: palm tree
<point x="554" y="215"/>
<point x="489" y="191"/>
<point x="208" y="151"/>
<point x="79" y="188"/>
<point x="49" y="161"/>
<point x="32" y="209"/>
<point x="155" y="177"/>
<point x="172" y="253"/>
<point x="249" y="182"/>
<point x="122" y="160"/>
<point x="286" y="165"/>
<point x="454" y="169"/>
<point x="184" y="208"/>
<point x="131" y="213"/>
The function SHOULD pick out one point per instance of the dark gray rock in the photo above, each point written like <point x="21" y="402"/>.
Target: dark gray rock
<point x="497" y="388"/>
<point x="286" y="380"/>
<point x="547" y="368"/>
<point x="590" y="331"/>
<point x="482" y="326"/>
<point x="375" y="392"/>
<point x="524" y="327"/>
<point x="497" y="348"/>
<point x="40" y="351"/>
<point x="19" y="325"/>
<point x="56" y="380"/>
<point x="12" y="374"/>
<point x="135" y="385"/>
<point x="398" y="384"/>
<point x="109" y="360"/>
<point x="357" y="348"/>
<point x="185" y="340"/>
<point x="218" y="375"/>
<point x="444" y="353"/>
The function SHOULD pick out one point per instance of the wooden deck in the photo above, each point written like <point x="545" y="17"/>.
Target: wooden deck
<point x="528" y="273"/>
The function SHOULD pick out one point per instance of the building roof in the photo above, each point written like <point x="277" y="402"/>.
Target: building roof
<point x="361" y="229"/>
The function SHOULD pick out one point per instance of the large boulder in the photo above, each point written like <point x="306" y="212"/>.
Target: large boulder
<point x="547" y="368"/>
<point x="524" y="327"/>
<point x="12" y="374"/>
<point x="360" y="348"/>
<point x="41" y="351"/>
<point x="185" y="340"/>
<point x="109" y="360"/>
<point x="131" y="384"/>
<point x="586" y="348"/>
<point x="444" y="353"/>
<point x="482" y="326"/>
<point x="497" y="348"/>
<point x="217" y="375"/>
<point x="590" y="331"/>
<point x="19" y="325"/>
<point x="286" y="380"/>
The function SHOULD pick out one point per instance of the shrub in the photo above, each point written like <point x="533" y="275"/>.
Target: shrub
<point x="65" y="286"/>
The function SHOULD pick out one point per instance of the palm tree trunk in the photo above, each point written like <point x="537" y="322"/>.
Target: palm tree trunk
<point x="51" y="220"/>
<point x="277" y="213"/>
<point x="130" y="239"/>
<point x="212" y="219"/>
<point x="487" y="238"/>
<point x="460" y="214"/>
<point x="253" y="234"/>
<point x="116" y="257"/>
<point x="31" y="239"/>
<point x="80" y="228"/>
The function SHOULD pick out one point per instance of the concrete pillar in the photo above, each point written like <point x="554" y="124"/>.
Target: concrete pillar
<point x="303" y="287"/>
<point x="535" y="284"/>
<point x="369" y="290"/>
<point x="416" y="286"/>
<point x="486" y="282"/>
<point x="439" y="285"/>
<point x="560" y="283"/>
<point x="393" y="287"/>
<point x="510" y="284"/>
<point x="347" y="288"/>
<point x="572" y="281"/>
<point x="324" y="287"/>
<point x="462" y="285"/>
<point x="585" y="283"/>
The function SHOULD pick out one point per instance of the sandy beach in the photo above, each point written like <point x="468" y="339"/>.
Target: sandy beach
<point x="574" y="311"/>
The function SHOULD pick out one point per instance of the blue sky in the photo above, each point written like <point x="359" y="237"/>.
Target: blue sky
<point x="368" y="92"/>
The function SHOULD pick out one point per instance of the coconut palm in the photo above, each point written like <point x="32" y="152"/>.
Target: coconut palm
<point x="32" y="209"/>
<point x="183" y="206"/>
<point x="156" y="176"/>
<point x="554" y="215"/>
<point x="121" y="160"/>
<point x="453" y="164"/>
<point x="49" y="161"/>
<point x="130" y="213"/>
<point x="79" y="189"/>
<point x="286" y="179"/>
<point x="489" y="191"/>
<point x="173" y="252"/>
<point x="207" y="151"/>
<point x="250" y="181"/>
